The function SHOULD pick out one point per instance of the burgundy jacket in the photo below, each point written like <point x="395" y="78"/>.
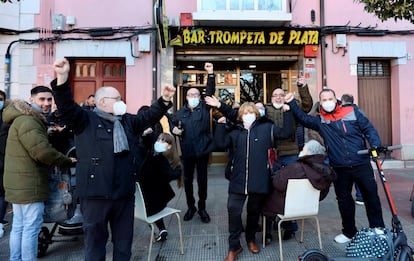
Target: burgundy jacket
<point x="312" y="167"/>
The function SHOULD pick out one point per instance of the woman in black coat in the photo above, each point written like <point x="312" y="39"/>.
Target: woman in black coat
<point x="250" y="175"/>
<point x="160" y="166"/>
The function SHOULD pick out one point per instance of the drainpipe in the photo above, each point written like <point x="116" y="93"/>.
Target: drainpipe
<point x="154" y="49"/>
<point x="7" y="70"/>
<point x="323" y="47"/>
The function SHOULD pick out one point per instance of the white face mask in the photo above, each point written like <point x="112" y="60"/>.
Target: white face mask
<point x="193" y="102"/>
<point x="278" y="105"/>
<point x="160" y="146"/>
<point x="119" y="108"/>
<point x="328" y="106"/>
<point x="248" y="119"/>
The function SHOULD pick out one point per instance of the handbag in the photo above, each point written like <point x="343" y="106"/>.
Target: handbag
<point x="273" y="156"/>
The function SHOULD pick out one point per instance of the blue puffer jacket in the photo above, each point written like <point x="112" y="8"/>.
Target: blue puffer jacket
<point x="344" y="132"/>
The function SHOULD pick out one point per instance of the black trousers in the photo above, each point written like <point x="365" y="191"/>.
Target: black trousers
<point x="97" y="214"/>
<point x="363" y="176"/>
<point x="235" y="205"/>
<point x="201" y="164"/>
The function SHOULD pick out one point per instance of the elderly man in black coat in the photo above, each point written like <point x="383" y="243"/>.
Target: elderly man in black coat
<point x="105" y="170"/>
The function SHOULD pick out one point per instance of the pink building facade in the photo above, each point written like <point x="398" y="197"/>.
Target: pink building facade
<point x="255" y="45"/>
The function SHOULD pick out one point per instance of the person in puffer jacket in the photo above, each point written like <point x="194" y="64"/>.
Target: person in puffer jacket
<point x="27" y="159"/>
<point x="250" y="175"/>
<point x="345" y="131"/>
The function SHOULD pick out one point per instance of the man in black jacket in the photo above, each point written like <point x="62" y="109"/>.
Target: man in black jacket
<point x="192" y="124"/>
<point x="105" y="170"/>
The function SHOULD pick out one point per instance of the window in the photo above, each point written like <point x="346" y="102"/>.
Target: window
<point x="237" y="5"/>
<point x="373" y="68"/>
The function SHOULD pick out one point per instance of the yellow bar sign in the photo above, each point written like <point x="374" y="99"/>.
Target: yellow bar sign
<point x="200" y="36"/>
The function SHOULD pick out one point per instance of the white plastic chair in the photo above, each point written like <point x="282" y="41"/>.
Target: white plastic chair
<point x="141" y="214"/>
<point x="302" y="202"/>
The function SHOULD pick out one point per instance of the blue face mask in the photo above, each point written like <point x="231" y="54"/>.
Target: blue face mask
<point x="160" y="147"/>
<point x="193" y="102"/>
<point x="262" y="112"/>
<point x="1" y="104"/>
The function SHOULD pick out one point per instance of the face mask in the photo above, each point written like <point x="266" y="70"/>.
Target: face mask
<point x="262" y="112"/>
<point x="329" y="106"/>
<point x="36" y="107"/>
<point x="248" y="118"/>
<point x="278" y="105"/>
<point x="119" y="108"/>
<point x="160" y="147"/>
<point x="193" y="102"/>
<point x="1" y="104"/>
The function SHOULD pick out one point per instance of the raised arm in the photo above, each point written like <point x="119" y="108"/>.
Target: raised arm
<point x="211" y="79"/>
<point x="308" y="121"/>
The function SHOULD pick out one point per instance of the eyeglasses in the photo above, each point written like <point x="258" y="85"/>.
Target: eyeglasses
<point x="118" y="98"/>
<point x="278" y="95"/>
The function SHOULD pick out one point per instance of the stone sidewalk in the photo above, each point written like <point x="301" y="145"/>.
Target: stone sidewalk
<point x="208" y="242"/>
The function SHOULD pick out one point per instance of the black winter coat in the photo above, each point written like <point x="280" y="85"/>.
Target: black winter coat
<point x="99" y="172"/>
<point x="196" y="139"/>
<point x="250" y="169"/>
<point x="154" y="179"/>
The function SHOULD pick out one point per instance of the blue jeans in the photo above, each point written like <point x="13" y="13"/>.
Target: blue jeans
<point x="27" y="221"/>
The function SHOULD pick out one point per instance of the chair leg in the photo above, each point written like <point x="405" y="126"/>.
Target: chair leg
<point x="279" y="232"/>
<point x="151" y="240"/>
<point x="301" y="232"/>
<point x="181" y="233"/>
<point x="264" y="231"/>
<point x="319" y="231"/>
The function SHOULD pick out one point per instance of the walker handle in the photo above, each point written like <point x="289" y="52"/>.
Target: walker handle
<point x="381" y="149"/>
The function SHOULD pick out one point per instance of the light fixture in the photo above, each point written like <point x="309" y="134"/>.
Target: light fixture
<point x="252" y="66"/>
<point x="190" y="66"/>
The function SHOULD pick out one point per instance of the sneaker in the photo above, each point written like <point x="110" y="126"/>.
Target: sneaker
<point x="341" y="239"/>
<point x="162" y="236"/>
<point x="359" y="202"/>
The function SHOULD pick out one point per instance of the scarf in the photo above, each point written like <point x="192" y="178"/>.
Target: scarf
<point x="120" y="138"/>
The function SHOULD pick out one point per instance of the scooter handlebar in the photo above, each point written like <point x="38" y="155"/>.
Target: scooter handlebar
<point x="381" y="149"/>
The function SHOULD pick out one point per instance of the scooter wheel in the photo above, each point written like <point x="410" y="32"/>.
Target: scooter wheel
<point x="313" y="255"/>
<point x="43" y="242"/>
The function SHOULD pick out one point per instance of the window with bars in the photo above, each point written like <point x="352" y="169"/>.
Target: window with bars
<point x="373" y="68"/>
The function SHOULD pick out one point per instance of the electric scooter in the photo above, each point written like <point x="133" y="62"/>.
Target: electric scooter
<point x="402" y="251"/>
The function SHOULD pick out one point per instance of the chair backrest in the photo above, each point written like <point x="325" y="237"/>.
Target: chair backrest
<point x="139" y="212"/>
<point x="302" y="199"/>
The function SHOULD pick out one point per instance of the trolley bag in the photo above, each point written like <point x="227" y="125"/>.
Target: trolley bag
<point x="371" y="243"/>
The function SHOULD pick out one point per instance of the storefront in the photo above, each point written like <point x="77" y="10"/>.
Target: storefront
<point x="249" y="63"/>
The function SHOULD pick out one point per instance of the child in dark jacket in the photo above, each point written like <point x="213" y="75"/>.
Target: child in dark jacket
<point x="160" y="166"/>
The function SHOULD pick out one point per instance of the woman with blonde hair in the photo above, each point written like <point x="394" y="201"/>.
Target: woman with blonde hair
<point x="250" y="141"/>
